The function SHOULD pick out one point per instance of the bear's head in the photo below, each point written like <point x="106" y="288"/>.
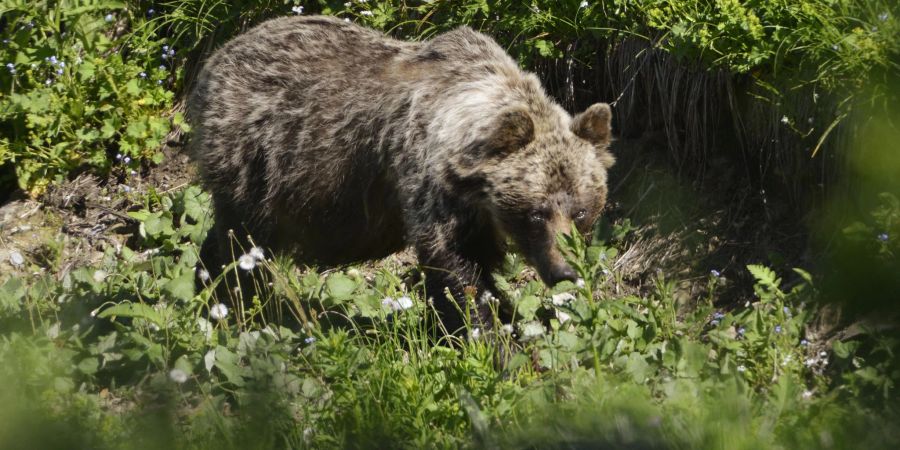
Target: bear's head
<point x="542" y="176"/>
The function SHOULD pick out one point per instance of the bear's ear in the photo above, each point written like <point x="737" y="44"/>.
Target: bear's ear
<point x="511" y="130"/>
<point x="593" y="125"/>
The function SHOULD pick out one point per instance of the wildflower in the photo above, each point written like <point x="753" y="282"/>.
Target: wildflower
<point x="580" y="283"/>
<point x="126" y="160"/>
<point x="563" y="316"/>
<point x="823" y="354"/>
<point x="778" y="328"/>
<point x="815" y="96"/>
<point x="53" y="60"/>
<point x="162" y="67"/>
<point x="714" y="322"/>
<point x="347" y="4"/>
<point x="11" y="67"/>
<point x="203" y="274"/>
<point x="715" y="273"/>
<point x="297" y="10"/>
<point x="16" y="258"/>
<point x="741" y="331"/>
<point x="99" y="275"/>
<point x="247" y="262"/>
<point x="59" y="71"/>
<point x="475" y="333"/>
<point x="562" y="299"/>
<point x="143" y="74"/>
<point x="218" y="311"/>
<point x="49" y="81"/>
<point x="883" y="16"/>
<point x="834" y="47"/>
<point x="741" y="368"/>
<point x="810" y="362"/>
<point x="108" y="18"/>
<point x="807" y="395"/>
<point x="785" y="120"/>
<point x="718" y="316"/>
<point x="583" y="5"/>
<point x="404" y="302"/>
<point x="151" y="12"/>
<point x="804" y="342"/>
<point x="133" y="172"/>
<point x="389" y="303"/>
<point x="366" y="13"/>
<point x="506" y="329"/>
<point x="177" y="375"/>
<point x="532" y="330"/>
<point x="310" y="340"/>
<point x="257" y="253"/>
<point x="883" y="237"/>
<point x="159" y="82"/>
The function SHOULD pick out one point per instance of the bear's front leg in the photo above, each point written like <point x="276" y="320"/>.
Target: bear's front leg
<point x="454" y="266"/>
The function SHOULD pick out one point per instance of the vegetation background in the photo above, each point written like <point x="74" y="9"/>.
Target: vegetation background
<point x="741" y="292"/>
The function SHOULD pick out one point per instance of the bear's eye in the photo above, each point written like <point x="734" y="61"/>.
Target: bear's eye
<point x="580" y="215"/>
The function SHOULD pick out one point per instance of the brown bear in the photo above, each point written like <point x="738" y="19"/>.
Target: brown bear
<point x="333" y="143"/>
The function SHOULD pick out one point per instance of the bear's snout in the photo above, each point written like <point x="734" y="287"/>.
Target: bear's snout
<point x="560" y="273"/>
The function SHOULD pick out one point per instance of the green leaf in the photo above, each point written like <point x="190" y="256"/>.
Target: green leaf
<point x="340" y="286"/>
<point x="181" y="287"/>
<point x="133" y="310"/>
<point x="527" y="306"/>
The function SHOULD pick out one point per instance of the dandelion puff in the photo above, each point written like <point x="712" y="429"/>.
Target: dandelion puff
<point x="580" y="283"/>
<point x="219" y="311"/>
<point x="16" y="258"/>
<point x="404" y="302"/>
<point x="807" y="395"/>
<point x="532" y="330"/>
<point x="99" y="275"/>
<point x="475" y="333"/>
<point x="257" y="253"/>
<point x="506" y="329"/>
<point x="562" y="299"/>
<point x="109" y="18"/>
<point x="366" y="13"/>
<point x="583" y="5"/>
<point x="297" y="10"/>
<point x="741" y="368"/>
<point x="177" y="375"/>
<point x="247" y="262"/>
<point x="203" y="274"/>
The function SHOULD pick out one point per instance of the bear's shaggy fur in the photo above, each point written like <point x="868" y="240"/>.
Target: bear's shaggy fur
<point x="334" y="144"/>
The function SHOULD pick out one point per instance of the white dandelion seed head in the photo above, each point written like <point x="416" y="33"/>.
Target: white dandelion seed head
<point x="218" y="311"/>
<point x="257" y="253"/>
<point x="785" y="120"/>
<point x="506" y="329"/>
<point x="177" y="375"/>
<point x="16" y="258"/>
<point x="99" y="275"/>
<point x="404" y="302"/>
<point x="741" y="368"/>
<point x="562" y="299"/>
<point x="532" y="330"/>
<point x="203" y="274"/>
<point x="297" y="10"/>
<point x="580" y="283"/>
<point x="807" y="395"/>
<point x="247" y="262"/>
<point x="366" y="13"/>
<point x="563" y="316"/>
<point x="475" y="333"/>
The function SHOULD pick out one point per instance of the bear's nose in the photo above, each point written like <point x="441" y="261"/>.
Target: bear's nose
<point x="562" y="273"/>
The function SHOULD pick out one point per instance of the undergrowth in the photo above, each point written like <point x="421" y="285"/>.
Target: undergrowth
<point x="346" y="358"/>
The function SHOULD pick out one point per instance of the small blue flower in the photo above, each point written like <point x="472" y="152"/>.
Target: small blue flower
<point x="6" y="41"/>
<point x="804" y="342"/>
<point x="162" y="67"/>
<point x="883" y="237"/>
<point x="159" y="82"/>
<point x="778" y="329"/>
<point x="741" y="331"/>
<point x="718" y="315"/>
<point x="49" y="81"/>
<point x="118" y="156"/>
<point x="310" y="340"/>
<point x="126" y="160"/>
<point x="715" y="273"/>
<point x="151" y="12"/>
<point x="62" y="64"/>
<point x="143" y="74"/>
<point x="108" y="18"/>
<point x="714" y="322"/>
<point x="53" y="60"/>
<point x="883" y="16"/>
<point x="11" y="67"/>
<point x="59" y="71"/>
<point x="171" y="52"/>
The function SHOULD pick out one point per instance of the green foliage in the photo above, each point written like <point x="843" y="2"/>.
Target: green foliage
<point x="77" y="92"/>
<point x="360" y="364"/>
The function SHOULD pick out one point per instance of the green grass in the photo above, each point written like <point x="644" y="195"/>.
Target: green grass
<point x="127" y="348"/>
